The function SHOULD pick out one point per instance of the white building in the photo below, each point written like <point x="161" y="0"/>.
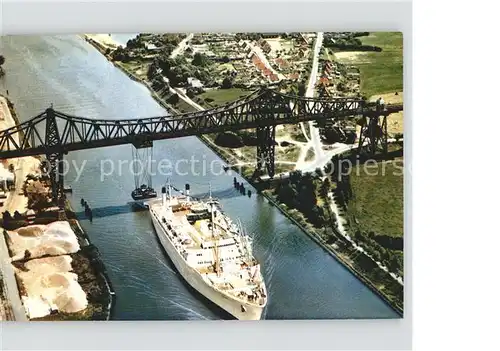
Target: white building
<point x="195" y="83"/>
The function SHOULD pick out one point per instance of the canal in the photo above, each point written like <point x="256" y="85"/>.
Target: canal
<point x="304" y="282"/>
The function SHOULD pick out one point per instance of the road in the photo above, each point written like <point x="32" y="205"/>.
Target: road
<point x="260" y="54"/>
<point x="314" y="139"/>
<point x="322" y="161"/>
<point x="9" y="283"/>
<point x="22" y="166"/>
<point x="182" y="45"/>
<point x="176" y="52"/>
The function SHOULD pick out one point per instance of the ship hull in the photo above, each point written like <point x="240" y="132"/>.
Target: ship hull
<point x="241" y="311"/>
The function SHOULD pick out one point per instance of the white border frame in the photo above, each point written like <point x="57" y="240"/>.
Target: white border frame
<point x="56" y="17"/>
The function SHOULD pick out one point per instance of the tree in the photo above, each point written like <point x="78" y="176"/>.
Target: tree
<point x="7" y="216"/>
<point x="358" y="236"/>
<point x="318" y="172"/>
<point x="199" y="60"/>
<point x="2" y="61"/>
<point x="190" y="92"/>
<point x="286" y="193"/>
<point x="225" y="59"/>
<point x="174" y="99"/>
<point x="394" y="265"/>
<point x="325" y="187"/>
<point x="227" y="83"/>
<point x="302" y="89"/>
<point x="317" y="216"/>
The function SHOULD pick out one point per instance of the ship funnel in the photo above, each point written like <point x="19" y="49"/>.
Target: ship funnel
<point x="187" y="191"/>
<point x="164" y="196"/>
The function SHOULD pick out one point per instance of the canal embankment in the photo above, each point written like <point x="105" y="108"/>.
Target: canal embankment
<point x="87" y="264"/>
<point x="105" y="299"/>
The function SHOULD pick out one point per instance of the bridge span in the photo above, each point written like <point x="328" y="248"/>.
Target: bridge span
<point x="54" y="133"/>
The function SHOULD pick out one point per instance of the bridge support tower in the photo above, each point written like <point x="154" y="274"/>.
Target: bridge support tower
<point x="373" y="134"/>
<point x="266" y="149"/>
<point x="55" y="161"/>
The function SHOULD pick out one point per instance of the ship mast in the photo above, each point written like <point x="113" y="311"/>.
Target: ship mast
<point x="216" y="247"/>
<point x="169" y="189"/>
<point x="244" y="242"/>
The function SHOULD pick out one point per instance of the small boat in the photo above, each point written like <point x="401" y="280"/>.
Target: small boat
<point x="144" y="192"/>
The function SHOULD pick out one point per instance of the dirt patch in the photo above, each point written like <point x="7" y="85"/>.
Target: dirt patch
<point x="394" y="120"/>
<point x="389" y="98"/>
<point x="104" y="39"/>
<point x="351" y="56"/>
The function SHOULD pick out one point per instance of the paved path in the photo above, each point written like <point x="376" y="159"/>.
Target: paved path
<point x="181" y="46"/>
<point x="314" y="139"/>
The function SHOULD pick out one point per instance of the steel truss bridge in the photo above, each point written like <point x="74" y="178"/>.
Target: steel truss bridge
<point x="53" y="133"/>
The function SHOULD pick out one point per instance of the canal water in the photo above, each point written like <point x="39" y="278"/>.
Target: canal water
<point x="304" y="282"/>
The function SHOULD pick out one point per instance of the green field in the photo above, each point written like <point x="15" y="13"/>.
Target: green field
<point x="384" y="72"/>
<point x="378" y="201"/>
<point x="222" y="96"/>
<point x="381" y="72"/>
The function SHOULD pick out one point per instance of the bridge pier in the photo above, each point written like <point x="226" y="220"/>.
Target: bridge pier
<point x="56" y="175"/>
<point x="266" y="148"/>
<point x="373" y="134"/>
<point x="55" y="160"/>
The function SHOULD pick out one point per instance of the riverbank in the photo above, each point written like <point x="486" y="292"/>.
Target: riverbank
<point x="337" y="255"/>
<point x="226" y="159"/>
<point x="99" y="290"/>
<point x="105" y="301"/>
<point x="11" y="307"/>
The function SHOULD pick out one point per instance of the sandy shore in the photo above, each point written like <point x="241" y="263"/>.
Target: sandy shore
<point x="103" y="39"/>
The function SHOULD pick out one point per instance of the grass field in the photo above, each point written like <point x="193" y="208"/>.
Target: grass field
<point x="289" y="153"/>
<point x="222" y="96"/>
<point x="381" y="72"/>
<point x="378" y="199"/>
<point x="310" y="155"/>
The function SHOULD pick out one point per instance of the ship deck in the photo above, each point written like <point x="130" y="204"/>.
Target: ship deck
<point x="199" y="231"/>
<point x="237" y="279"/>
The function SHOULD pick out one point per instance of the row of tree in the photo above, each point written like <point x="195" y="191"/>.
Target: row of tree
<point x="382" y="248"/>
<point x="390" y="256"/>
<point x="300" y="191"/>
<point x="178" y="69"/>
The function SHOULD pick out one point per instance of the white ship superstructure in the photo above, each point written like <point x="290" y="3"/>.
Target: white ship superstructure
<point x="213" y="254"/>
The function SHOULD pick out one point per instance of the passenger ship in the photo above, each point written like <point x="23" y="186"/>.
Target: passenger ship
<point x="212" y="254"/>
